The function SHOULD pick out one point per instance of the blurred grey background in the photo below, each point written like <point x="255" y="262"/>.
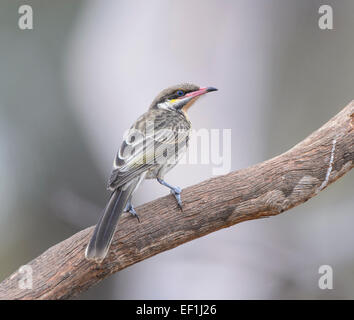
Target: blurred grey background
<point x="72" y="85"/>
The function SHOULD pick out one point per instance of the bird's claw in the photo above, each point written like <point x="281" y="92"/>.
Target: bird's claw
<point x="129" y="208"/>
<point x="176" y="191"/>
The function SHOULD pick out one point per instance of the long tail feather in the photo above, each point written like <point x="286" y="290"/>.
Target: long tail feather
<point x="103" y="234"/>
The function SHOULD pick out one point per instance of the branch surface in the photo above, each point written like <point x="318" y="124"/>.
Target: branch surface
<point x="262" y="190"/>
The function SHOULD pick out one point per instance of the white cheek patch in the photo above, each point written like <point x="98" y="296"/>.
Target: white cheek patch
<point x="164" y="105"/>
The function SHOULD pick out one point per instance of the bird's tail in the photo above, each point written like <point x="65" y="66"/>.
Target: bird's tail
<point x="102" y="236"/>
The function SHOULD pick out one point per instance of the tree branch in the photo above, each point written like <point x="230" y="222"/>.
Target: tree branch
<point x="262" y="190"/>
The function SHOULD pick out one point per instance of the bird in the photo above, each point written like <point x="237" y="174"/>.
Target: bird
<point x="150" y="148"/>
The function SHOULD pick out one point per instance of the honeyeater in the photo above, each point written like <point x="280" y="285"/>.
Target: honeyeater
<point x="152" y="146"/>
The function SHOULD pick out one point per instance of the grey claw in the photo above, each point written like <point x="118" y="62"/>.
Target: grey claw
<point x="129" y="208"/>
<point x="177" y="193"/>
<point x="134" y="214"/>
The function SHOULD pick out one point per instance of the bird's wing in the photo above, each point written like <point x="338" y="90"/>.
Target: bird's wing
<point x="155" y="143"/>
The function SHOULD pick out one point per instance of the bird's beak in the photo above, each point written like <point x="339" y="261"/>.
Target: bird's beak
<point x="181" y="102"/>
<point x="199" y="92"/>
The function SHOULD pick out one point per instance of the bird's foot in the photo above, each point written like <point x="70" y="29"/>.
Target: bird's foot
<point x="129" y="208"/>
<point x="176" y="191"/>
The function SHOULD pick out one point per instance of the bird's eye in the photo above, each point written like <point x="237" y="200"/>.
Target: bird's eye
<point x="180" y="93"/>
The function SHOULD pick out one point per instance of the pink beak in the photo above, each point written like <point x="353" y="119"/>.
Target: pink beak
<point x="200" y="92"/>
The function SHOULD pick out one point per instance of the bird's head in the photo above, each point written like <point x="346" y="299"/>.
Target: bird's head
<point x="179" y="97"/>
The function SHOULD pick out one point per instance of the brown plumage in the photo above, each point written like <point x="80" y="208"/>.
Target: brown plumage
<point x="153" y="146"/>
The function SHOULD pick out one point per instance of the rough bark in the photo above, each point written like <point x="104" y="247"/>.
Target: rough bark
<point x="262" y="190"/>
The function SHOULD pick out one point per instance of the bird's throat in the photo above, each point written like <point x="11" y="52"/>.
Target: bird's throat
<point x="188" y="105"/>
